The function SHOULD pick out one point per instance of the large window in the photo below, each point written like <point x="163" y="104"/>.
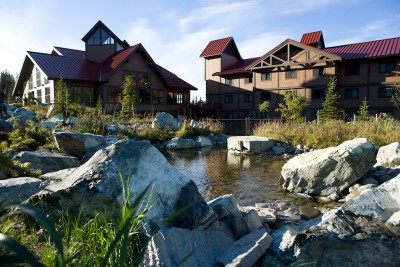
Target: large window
<point x="144" y="96"/>
<point x="100" y="37"/>
<point x="248" y="98"/>
<point x="175" y="98"/>
<point x="30" y="83"/>
<point x="158" y="97"/>
<point x="265" y="96"/>
<point x="290" y="74"/>
<point x="386" y="67"/>
<point x="83" y="95"/>
<point x="114" y="95"/>
<point x="318" y="93"/>
<point x="385" y="92"/>
<point x="39" y="96"/>
<point x="248" y="80"/>
<point x="318" y="72"/>
<point x="351" y="93"/>
<point x="229" y="81"/>
<point x="352" y="69"/>
<point x="266" y="76"/>
<point x="228" y="99"/>
<point x="143" y="79"/>
<point x="38" y="77"/>
<point x="47" y="94"/>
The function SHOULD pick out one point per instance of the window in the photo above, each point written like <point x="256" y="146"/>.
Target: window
<point x="228" y="115"/>
<point x="38" y="77"/>
<point x="248" y="80"/>
<point x="179" y="98"/>
<point x="290" y="74"/>
<point x="318" y="93"/>
<point x="39" y="96"/>
<point x="228" y="98"/>
<point x="266" y="76"/>
<point x="265" y="96"/>
<point x="353" y="69"/>
<point x="229" y="81"/>
<point x="386" y="67"/>
<point x="47" y="95"/>
<point x="248" y="98"/>
<point x="351" y="93"/>
<point x="114" y="95"/>
<point x="144" y="96"/>
<point x="175" y="98"/>
<point x="30" y="83"/>
<point x="318" y="72"/>
<point x="158" y="97"/>
<point x="83" y="95"/>
<point x="100" y="37"/>
<point x="143" y="79"/>
<point x="385" y="92"/>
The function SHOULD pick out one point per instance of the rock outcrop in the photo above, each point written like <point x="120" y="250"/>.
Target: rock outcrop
<point x="181" y="143"/>
<point x="250" y="144"/>
<point x="330" y="170"/>
<point x="165" y="121"/>
<point x="389" y="156"/>
<point x="16" y="190"/>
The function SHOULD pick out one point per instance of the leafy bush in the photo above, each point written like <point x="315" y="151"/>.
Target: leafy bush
<point x="205" y="127"/>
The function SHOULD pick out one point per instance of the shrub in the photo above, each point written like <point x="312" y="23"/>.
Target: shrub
<point x="11" y="169"/>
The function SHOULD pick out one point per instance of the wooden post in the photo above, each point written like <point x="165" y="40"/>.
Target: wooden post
<point x="247" y="123"/>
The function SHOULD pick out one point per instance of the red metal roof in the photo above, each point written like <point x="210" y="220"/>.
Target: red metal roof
<point x="111" y="63"/>
<point x="378" y="48"/>
<point x="311" y="38"/>
<point x="174" y="81"/>
<point x="216" y="47"/>
<point x="239" y="67"/>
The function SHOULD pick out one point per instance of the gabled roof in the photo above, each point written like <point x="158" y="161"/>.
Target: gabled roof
<point x="239" y="67"/>
<point x="378" y="48"/>
<point x="313" y="39"/>
<point x="217" y="47"/>
<point x="174" y="81"/>
<point x="321" y="53"/>
<point x="100" y="24"/>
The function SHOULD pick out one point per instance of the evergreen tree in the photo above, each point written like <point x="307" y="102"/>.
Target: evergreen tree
<point x="61" y="100"/>
<point x="263" y="108"/>
<point x="363" y="113"/>
<point x="293" y="107"/>
<point x="7" y="83"/>
<point x="129" y="98"/>
<point x="331" y="108"/>
<point x="396" y="90"/>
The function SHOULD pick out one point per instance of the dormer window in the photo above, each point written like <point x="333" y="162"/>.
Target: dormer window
<point x="100" y="37"/>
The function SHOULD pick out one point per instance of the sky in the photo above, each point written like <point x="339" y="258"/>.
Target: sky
<point x="175" y="33"/>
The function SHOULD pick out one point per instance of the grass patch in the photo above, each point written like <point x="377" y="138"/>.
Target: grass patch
<point x="11" y="169"/>
<point x="331" y="133"/>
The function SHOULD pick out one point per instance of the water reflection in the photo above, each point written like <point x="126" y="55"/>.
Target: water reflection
<point x="251" y="178"/>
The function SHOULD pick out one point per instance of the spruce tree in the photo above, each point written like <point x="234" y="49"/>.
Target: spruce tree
<point x="128" y="98"/>
<point x="293" y="107"/>
<point x="331" y="108"/>
<point x="61" y="100"/>
<point x="363" y="113"/>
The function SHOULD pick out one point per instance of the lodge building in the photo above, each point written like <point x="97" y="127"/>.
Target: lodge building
<point x="99" y="71"/>
<point x="363" y="71"/>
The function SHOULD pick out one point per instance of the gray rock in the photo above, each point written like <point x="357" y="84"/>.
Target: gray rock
<point x="96" y="185"/>
<point x="246" y="251"/>
<point x="284" y="210"/>
<point x="22" y="114"/>
<point x="72" y="120"/>
<point x="48" y="124"/>
<point x="58" y="119"/>
<point x="225" y="207"/>
<point x="266" y="215"/>
<point x="165" y="121"/>
<point x="370" y="180"/>
<point x="393" y="223"/>
<point x="250" y="144"/>
<point x="238" y="226"/>
<point x="200" y="248"/>
<point x="16" y="190"/>
<point x="218" y="138"/>
<point x="203" y="141"/>
<point x="278" y="150"/>
<point x="330" y="170"/>
<point x="252" y="220"/>
<point x="78" y="144"/>
<point x="181" y="143"/>
<point x="389" y="156"/>
<point x="5" y="126"/>
<point x="47" y="161"/>
<point x="58" y="175"/>
<point x="308" y="213"/>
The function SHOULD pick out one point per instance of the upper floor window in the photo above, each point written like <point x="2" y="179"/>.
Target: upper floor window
<point x="386" y="67"/>
<point x="351" y="93"/>
<point x="385" y="92"/>
<point x="248" y="80"/>
<point x="229" y="81"/>
<point x="100" y="37"/>
<point x="290" y="74"/>
<point x="320" y="71"/>
<point x="318" y="93"/>
<point x="143" y="80"/>
<point x="38" y="77"/>
<point x="266" y="76"/>
<point x="248" y="98"/>
<point x="353" y="69"/>
<point x="228" y="99"/>
<point x="265" y="96"/>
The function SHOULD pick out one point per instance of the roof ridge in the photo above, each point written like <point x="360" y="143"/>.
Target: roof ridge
<point x="363" y="42"/>
<point x="69" y="48"/>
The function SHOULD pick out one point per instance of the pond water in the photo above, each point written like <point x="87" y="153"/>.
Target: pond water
<point x="251" y="178"/>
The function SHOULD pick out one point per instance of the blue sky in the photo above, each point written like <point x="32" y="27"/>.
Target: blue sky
<point x="176" y="32"/>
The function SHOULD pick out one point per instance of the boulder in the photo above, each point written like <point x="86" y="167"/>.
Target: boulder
<point x="182" y="247"/>
<point x="250" y="144"/>
<point x="389" y="156"/>
<point x="16" y="190"/>
<point x="47" y="161"/>
<point x="181" y="143"/>
<point x="225" y="207"/>
<point x="330" y="170"/>
<point x="393" y="223"/>
<point x="22" y="114"/>
<point x="58" y="175"/>
<point x="220" y="139"/>
<point x="96" y="185"/>
<point x="58" y="119"/>
<point x="78" y="144"/>
<point x="71" y="120"/>
<point x="165" y="121"/>
<point x="5" y="126"/>
<point x="203" y="141"/>
<point x="48" y="124"/>
<point x="284" y="211"/>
